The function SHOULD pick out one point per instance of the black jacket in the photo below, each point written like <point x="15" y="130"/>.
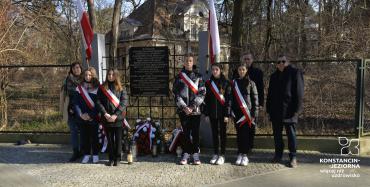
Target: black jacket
<point x="185" y="97"/>
<point x="249" y="92"/>
<point x="105" y="106"/>
<point x="285" y="95"/>
<point x="213" y="108"/>
<point x="256" y="75"/>
<point x="80" y="107"/>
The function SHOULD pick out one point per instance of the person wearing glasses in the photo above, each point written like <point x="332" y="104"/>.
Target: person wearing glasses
<point x="256" y="75"/>
<point x="283" y="104"/>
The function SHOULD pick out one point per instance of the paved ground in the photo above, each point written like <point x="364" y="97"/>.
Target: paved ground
<point x="38" y="165"/>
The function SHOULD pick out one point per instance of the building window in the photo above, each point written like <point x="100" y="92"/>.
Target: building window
<point x="194" y="32"/>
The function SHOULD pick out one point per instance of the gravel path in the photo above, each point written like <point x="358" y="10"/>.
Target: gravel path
<point x="47" y="163"/>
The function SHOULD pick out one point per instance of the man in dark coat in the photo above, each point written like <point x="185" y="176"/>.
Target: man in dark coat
<point x="256" y="75"/>
<point x="284" y="103"/>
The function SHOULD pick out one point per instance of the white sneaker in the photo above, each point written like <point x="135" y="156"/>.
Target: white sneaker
<point x="86" y="159"/>
<point x="220" y="160"/>
<point x="245" y="161"/>
<point x="214" y="159"/>
<point x="239" y="159"/>
<point x="196" y="159"/>
<point x="95" y="159"/>
<point x="184" y="159"/>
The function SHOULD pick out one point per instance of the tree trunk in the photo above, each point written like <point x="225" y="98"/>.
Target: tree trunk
<point x="303" y="34"/>
<point x="3" y="101"/>
<point x="3" y="110"/>
<point x="268" y="38"/>
<point x="236" y="35"/>
<point x="91" y="10"/>
<point x="115" y="29"/>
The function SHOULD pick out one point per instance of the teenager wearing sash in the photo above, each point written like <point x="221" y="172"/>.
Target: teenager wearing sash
<point x="84" y="106"/>
<point x="256" y="75"/>
<point x="112" y="102"/>
<point x="217" y="108"/>
<point x="244" y="105"/>
<point x="69" y="88"/>
<point x="189" y="92"/>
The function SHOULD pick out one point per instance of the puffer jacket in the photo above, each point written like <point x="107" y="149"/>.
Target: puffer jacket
<point x="249" y="92"/>
<point x="185" y="97"/>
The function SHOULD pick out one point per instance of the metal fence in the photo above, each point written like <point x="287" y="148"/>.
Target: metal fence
<point x="329" y="98"/>
<point x="32" y="97"/>
<point x="332" y="101"/>
<point x="364" y="102"/>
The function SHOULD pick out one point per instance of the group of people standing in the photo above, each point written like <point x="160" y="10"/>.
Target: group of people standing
<point x="240" y="99"/>
<point x="85" y="99"/>
<point x="89" y="102"/>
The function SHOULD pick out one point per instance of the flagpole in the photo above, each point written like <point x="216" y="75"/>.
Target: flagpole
<point x="209" y="54"/>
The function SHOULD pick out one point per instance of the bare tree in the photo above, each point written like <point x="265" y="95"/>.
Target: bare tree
<point x="91" y="10"/>
<point x="135" y="3"/>
<point x="236" y="36"/>
<point x="115" y="28"/>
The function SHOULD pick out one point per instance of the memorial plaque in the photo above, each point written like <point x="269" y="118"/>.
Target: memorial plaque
<point x="149" y="68"/>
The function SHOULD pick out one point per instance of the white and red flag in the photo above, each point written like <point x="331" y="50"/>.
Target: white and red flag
<point x="214" y="38"/>
<point x="86" y="30"/>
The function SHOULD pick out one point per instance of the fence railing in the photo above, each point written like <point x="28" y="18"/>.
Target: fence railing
<point x="335" y="101"/>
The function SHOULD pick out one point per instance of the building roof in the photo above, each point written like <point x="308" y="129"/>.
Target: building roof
<point x="156" y="19"/>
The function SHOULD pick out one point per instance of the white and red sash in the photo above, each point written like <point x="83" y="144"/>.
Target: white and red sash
<point x="246" y="118"/>
<point x="175" y="140"/>
<point x="216" y="92"/>
<point x="193" y="86"/>
<point x="86" y="97"/>
<point x="114" y="100"/>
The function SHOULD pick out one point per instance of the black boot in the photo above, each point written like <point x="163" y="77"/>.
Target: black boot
<point x="75" y="155"/>
<point x="116" y="163"/>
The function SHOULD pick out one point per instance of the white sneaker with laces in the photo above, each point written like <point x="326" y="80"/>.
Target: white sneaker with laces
<point x="214" y="159"/>
<point x="86" y="159"/>
<point x="239" y="159"/>
<point x="184" y="159"/>
<point x="95" y="159"/>
<point x="220" y="160"/>
<point x="245" y="161"/>
<point x="196" y="159"/>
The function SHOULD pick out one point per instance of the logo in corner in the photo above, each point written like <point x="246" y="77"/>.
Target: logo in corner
<point x="349" y="146"/>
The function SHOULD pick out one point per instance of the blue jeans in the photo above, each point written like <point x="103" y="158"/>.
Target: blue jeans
<point x="75" y="129"/>
<point x="277" y="128"/>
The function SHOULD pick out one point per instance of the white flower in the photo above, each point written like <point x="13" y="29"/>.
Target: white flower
<point x="148" y="119"/>
<point x="152" y="136"/>
<point x="145" y="129"/>
<point x="154" y="129"/>
<point x="138" y="120"/>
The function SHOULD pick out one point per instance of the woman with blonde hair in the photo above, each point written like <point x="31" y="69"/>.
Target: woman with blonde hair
<point x="112" y="103"/>
<point x="84" y="107"/>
